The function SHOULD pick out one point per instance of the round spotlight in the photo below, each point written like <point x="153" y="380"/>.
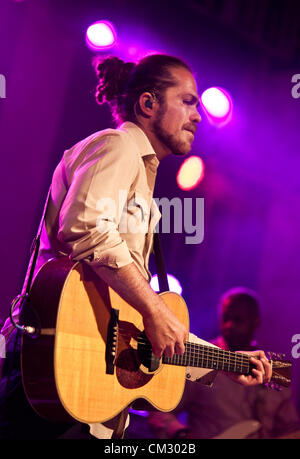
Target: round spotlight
<point x="217" y="104"/>
<point x="190" y="173"/>
<point x="174" y="284"/>
<point x="101" y="36"/>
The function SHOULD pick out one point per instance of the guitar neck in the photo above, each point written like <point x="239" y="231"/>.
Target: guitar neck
<point x="201" y="356"/>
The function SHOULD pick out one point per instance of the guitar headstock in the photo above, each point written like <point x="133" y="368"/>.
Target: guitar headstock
<point x="281" y="371"/>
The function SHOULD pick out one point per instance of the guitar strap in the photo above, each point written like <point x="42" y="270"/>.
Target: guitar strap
<point x="31" y="266"/>
<point x="160" y="265"/>
<point x="35" y="247"/>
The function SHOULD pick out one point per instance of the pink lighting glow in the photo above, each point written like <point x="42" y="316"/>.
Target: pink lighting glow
<point x="217" y="104"/>
<point x="101" y="36"/>
<point x="190" y="173"/>
<point x="174" y="284"/>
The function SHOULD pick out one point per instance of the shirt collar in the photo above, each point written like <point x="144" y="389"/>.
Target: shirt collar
<point x="143" y="143"/>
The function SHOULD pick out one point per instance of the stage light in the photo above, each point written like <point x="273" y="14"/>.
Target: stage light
<point x="101" y="36"/>
<point x="174" y="284"/>
<point x="217" y="104"/>
<point x="133" y="51"/>
<point x="190" y="173"/>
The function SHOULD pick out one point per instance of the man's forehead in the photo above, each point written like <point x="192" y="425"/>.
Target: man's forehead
<point x="186" y="83"/>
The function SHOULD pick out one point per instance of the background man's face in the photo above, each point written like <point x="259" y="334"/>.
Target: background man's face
<point x="238" y="325"/>
<point x="176" y="119"/>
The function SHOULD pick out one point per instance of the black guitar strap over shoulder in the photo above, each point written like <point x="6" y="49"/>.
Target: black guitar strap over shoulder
<point x="160" y="265"/>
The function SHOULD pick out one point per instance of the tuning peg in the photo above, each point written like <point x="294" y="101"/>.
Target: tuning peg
<point x="274" y="386"/>
<point x="275" y="356"/>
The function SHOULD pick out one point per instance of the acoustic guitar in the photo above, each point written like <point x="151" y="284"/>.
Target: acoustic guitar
<point x="86" y="356"/>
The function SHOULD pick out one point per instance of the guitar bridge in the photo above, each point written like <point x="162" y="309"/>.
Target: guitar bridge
<point x="111" y="341"/>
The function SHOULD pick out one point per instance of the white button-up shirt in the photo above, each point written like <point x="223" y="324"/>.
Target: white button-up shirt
<point x="101" y="207"/>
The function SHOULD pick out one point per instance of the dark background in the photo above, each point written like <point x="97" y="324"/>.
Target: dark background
<point x="251" y="186"/>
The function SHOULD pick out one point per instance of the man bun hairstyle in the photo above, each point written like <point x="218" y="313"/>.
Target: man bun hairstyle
<point x="120" y="83"/>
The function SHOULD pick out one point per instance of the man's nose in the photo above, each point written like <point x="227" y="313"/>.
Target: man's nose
<point x="196" y="117"/>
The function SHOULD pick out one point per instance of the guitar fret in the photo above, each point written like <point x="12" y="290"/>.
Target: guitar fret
<point x="193" y="362"/>
<point x="197" y="355"/>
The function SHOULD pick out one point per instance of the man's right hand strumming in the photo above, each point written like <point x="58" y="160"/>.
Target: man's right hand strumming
<point x="165" y="332"/>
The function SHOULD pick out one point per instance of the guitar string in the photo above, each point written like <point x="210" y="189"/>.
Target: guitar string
<point x="217" y="365"/>
<point x="197" y="358"/>
<point x="194" y="353"/>
<point x="236" y="364"/>
<point x="240" y="360"/>
<point x="236" y="356"/>
<point x="197" y="348"/>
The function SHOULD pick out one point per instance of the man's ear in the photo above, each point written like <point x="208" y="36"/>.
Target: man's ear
<point x="145" y="104"/>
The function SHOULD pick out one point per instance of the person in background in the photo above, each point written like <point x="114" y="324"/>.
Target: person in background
<point x="229" y="410"/>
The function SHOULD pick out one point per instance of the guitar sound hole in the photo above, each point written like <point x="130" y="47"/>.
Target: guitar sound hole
<point x="128" y="370"/>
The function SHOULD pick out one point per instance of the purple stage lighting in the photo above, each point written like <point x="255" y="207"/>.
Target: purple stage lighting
<point x="101" y="36"/>
<point x="174" y="284"/>
<point x="217" y="104"/>
<point x="190" y="173"/>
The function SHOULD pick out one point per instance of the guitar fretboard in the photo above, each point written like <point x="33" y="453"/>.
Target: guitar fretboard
<point x="198" y="355"/>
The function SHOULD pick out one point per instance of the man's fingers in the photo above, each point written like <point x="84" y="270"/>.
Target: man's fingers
<point x="258" y="375"/>
<point x="263" y="366"/>
<point x="157" y="351"/>
<point x="169" y="350"/>
<point x="258" y="363"/>
<point x="262" y="373"/>
<point x="165" y="332"/>
<point x="267" y="368"/>
<point x="180" y="348"/>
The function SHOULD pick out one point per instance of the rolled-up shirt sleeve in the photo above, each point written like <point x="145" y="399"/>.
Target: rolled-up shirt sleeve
<point x="90" y="214"/>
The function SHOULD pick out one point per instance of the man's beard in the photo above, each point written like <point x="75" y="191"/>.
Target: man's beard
<point x="177" y="147"/>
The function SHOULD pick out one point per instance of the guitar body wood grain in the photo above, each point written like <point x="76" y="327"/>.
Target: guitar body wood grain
<point x="76" y="382"/>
